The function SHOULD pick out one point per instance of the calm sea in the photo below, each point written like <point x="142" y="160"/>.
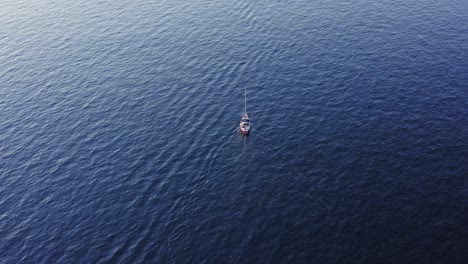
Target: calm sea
<point x="119" y="138"/>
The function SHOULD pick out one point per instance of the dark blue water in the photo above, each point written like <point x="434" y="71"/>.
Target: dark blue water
<point x="119" y="138"/>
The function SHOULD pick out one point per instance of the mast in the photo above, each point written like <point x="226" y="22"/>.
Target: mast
<point x="245" y="99"/>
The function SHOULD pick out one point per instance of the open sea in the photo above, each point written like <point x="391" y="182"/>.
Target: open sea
<point x="120" y="143"/>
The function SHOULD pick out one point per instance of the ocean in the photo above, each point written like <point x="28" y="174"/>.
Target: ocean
<point x="120" y="143"/>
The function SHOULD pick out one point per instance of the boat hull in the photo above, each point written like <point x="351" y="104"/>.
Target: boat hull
<point x="244" y="132"/>
<point x="244" y="125"/>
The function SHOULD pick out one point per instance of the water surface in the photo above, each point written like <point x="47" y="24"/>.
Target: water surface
<point x="119" y="141"/>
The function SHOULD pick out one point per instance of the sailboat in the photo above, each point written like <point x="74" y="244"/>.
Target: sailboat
<point x="245" y="121"/>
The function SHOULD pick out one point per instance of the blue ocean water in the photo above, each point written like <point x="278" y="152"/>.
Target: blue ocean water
<point x="119" y="138"/>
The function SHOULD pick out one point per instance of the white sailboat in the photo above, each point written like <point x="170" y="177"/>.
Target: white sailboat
<point x="245" y="121"/>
